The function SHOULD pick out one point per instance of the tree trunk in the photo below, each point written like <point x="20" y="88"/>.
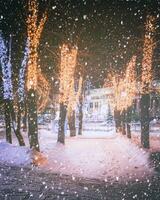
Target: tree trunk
<point x="24" y="119"/>
<point x="80" y="118"/>
<point x="128" y="121"/>
<point x="128" y="130"/>
<point x="117" y="118"/>
<point x="8" y="121"/>
<point x="71" y="123"/>
<point x="61" y="123"/>
<point x="123" y="122"/>
<point x="53" y="115"/>
<point x="123" y="128"/>
<point x="18" y="129"/>
<point x="32" y="120"/>
<point x="145" y="105"/>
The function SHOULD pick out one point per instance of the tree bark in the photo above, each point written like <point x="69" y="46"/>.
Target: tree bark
<point x="123" y="122"/>
<point x="25" y="118"/>
<point x="71" y="123"/>
<point x="8" y="121"/>
<point x="18" y="129"/>
<point x="32" y="120"/>
<point x="61" y="123"/>
<point x="123" y="128"/>
<point x="128" y="121"/>
<point x="80" y="118"/>
<point x="145" y="105"/>
<point x="117" y="118"/>
<point x="128" y="131"/>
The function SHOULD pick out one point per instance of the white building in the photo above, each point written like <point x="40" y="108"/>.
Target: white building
<point x="97" y="103"/>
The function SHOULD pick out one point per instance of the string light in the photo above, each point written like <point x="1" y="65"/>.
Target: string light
<point x="125" y="87"/>
<point x="80" y="85"/>
<point x="43" y="89"/>
<point x="74" y="97"/>
<point x="34" y="32"/>
<point x="130" y="83"/>
<point x="147" y="55"/>
<point x="67" y="70"/>
<point x="6" y="70"/>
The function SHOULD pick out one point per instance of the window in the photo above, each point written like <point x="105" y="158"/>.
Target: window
<point x="96" y="104"/>
<point x="91" y="105"/>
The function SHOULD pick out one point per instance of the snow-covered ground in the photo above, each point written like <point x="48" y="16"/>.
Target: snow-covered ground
<point x="154" y="135"/>
<point x="106" y="157"/>
<point x="14" y="155"/>
<point x="95" y="154"/>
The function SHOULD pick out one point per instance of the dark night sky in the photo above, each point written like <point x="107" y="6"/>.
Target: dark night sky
<point x="107" y="32"/>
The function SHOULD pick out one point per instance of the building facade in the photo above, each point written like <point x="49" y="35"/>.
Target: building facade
<point x="97" y="104"/>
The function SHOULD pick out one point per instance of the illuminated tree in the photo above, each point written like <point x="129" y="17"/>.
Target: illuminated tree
<point x="80" y="104"/>
<point x="67" y="95"/>
<point x="21" y="90"/>
<point x="34" y="30"/>
<point x="5" y="61"/>
<point x="74" y="100"/>
<point x="22" y="71"/>
<point x="124" y="92"/>
<point x="7" y="86"/>
<point x="125" y="87"/>
<point x="43" y="89"/>
<point x="146" y="79"/>
<point x="71" y="110"/>
<point x="130" y="82"/>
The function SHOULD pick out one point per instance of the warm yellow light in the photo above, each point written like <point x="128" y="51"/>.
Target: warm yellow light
<point x="147" y="55"/>
<point x="67" y="71"/>
<point x="125" y="87"/>
<point x="43" y="89"/>
<point x="34" y="31"/>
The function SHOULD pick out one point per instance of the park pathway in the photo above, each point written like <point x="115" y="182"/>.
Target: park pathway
<point x="31" y="184"/>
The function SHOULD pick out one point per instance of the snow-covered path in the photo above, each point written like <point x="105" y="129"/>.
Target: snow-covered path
<point x="105" y="157"/>
<point x="102" y="155"/>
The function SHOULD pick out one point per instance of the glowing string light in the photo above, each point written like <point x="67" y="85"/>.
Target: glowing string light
<point x="6" y="70"/>
<point x="67" y="70"/>
<point x="34" y="32"/>
<point x="43" y="89"/>
<point x="21" y="81"/>
<point x="147" y="54"/>
<point x="125" y="87"/>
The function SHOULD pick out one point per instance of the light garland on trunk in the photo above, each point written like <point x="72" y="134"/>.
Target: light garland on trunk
<point x="67" y="70"/>
<point x="130" y="83"/>
<point x="74" y="97"/>
<point x="21" y="81"/>
<point x="34" y="32"/>
<point x="147" y="55"/>
<point x="6" y="70"/>
<point x="125" y="88"/>
<point x="43" y="89"/>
